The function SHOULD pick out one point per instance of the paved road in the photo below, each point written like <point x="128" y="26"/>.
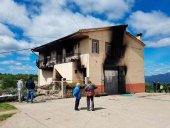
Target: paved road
<point x="138" y="111"/>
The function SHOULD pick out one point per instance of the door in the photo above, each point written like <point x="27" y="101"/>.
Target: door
<point x="111" y="81"/>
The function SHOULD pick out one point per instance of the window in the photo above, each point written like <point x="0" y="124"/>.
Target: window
<point x="108" y="48"/>
<point x="95" y="46"/>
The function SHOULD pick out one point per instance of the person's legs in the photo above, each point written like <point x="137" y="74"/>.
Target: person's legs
<point x="19" y="95"/>
<point x="28" y="95"/>
<point x="154" y="88"/>
<point x="88" y="103"/>
<point x="78" y="101"/>
<point x="92" y="103"/>
<point x="22" y="95"/>
<point x="76" y="104"/>
<point x="32" y="95"/>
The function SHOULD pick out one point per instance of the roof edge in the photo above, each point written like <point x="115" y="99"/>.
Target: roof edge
<point x="141" y="42"/>
<point x="102" y="28"/>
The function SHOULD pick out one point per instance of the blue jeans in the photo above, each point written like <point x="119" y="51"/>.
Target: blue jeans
<point x="30" y="94"/>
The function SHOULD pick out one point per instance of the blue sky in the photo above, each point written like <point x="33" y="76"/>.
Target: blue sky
<point x="30" y="23"/>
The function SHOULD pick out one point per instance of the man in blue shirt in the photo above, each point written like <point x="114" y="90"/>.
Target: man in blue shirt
<point x="77" y="95"/>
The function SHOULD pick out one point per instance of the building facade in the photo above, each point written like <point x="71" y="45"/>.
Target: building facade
<point x="110" y="57"/>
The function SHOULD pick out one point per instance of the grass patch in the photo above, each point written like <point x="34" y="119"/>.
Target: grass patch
<point x="6" y="107"/>
<point x="5" y="116"/>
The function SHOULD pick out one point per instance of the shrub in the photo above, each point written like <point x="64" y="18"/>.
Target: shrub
<point x="148" y="88"/>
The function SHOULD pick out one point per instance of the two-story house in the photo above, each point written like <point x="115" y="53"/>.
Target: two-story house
<point x="110" y="57"/>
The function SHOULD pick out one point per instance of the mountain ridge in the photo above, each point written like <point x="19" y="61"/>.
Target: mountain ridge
<point x="162" y="78"/>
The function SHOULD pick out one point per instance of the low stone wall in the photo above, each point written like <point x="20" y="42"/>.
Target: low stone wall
<point x="6" y="98"/>
<point x="69" y="93"/>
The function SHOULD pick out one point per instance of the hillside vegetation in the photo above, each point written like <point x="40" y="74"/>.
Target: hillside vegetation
<point x="8" y="82"/>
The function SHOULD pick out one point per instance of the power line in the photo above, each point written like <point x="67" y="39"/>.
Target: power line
<point x="15" y="51"/>
<point x="39" y="36"/>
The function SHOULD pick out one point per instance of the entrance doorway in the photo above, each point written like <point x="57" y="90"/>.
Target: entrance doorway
<point x="111" y="81"/>
<point x="114" y="79"/>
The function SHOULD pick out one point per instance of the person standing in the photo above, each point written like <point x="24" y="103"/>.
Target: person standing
<point x="161" y="88"/>
<point x="30" y="89"/>
<point x="169" y="87"/>
<point x="89" y="89"/>
<point x="158" y="86"/>
<point x="154" y="86"/>
<point x="20" y="90"/>
<point x="77" y="95"/>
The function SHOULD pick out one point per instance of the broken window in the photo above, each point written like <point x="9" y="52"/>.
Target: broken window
<point x="95" y="46"/>
<point x="108" y="48"/>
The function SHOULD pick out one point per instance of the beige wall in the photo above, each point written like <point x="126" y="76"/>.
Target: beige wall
<point x="45" y="77"/>
<point x="65" y="70"/>
<point x="85" y="61"/>
<point x="134" y="60"/>
<point x="84" y="46"/>
<point x="96" y="60"/>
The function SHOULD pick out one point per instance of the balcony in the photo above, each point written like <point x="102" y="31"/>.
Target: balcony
<point x="49" y="62"/>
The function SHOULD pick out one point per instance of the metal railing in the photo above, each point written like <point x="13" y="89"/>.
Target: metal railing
<point x="51" y="61"/>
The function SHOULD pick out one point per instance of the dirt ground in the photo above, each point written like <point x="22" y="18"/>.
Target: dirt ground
<point x="133" y="111"/>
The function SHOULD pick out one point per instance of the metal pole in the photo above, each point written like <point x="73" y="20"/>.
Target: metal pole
<point x="62" y="88"/>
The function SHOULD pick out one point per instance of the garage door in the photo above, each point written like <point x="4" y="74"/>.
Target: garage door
<point x="111" y="81"/>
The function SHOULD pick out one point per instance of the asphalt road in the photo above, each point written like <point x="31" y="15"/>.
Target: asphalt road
<point x="116" y="111"/>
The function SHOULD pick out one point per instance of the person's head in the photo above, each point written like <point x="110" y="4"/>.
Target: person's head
<point x="89" y="82"/>
<point x="78" y="84"/>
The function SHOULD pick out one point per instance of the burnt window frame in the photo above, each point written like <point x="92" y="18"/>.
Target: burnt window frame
<point x="106" y="48"/>
<point x="95" y="43"/>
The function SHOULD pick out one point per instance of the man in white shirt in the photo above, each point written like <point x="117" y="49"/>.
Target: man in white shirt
<point x="20" y="89"/>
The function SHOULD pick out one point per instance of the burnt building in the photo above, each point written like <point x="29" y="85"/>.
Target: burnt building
<point x="110" y="57"/>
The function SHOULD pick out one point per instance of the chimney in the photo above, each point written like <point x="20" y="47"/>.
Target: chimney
<point x="139" y="36"/>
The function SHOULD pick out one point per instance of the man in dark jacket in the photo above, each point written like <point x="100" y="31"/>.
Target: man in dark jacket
<point x="89" y="89"/>
<point x="154" y="86"/>
<point x="30" y="89"/>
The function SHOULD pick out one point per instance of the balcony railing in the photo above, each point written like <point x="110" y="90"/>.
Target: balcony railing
<point x="49" y="62"/>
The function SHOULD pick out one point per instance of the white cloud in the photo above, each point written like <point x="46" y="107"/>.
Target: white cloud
<point x="112" y="9"/>
<point x="10" y="62"/>
<point x="9" y="43"/>
<point x="18" y="63"/>
<point x="153" y="23"/>
<point x="13" y="13"/>
<point x="154" y="26"/>
<point x="4" y="30"/>
<point x="22" y="67"/>
<point x="156" y="69"/>
<point x="23" y="58"/>
<point x="50" y="22"/>
<point x="7" y="62"/>
<point x="160" y="43"/>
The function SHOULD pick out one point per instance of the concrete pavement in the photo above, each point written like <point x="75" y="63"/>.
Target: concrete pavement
<point x="137" y="111"/>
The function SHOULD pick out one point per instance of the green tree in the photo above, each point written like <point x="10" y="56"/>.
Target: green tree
<point x="8" y="82"/>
